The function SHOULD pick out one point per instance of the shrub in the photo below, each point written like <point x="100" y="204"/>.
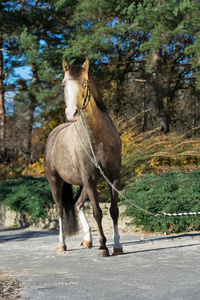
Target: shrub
<point x="171" y="192"/>
<point x="27" y="195"/>
<point x="36" y="169"/>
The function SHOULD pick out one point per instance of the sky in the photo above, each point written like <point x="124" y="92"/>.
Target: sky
<point x="22" y="72"/>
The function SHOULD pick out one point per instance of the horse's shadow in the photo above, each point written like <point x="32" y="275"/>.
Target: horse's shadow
<point x="162" y="238"/>
<point x="158" y="249"/>
<point x="151" y="240"/>
<point x="158" y="239"/>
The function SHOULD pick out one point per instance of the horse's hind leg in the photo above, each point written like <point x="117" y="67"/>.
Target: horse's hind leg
<point x="62" y="246"/>
<point x="87" y="240"/>
<point x="114" y="212"/>
<point x="97" y="213"/>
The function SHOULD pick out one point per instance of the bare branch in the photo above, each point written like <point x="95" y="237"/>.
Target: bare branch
<point x="3" y="50"/>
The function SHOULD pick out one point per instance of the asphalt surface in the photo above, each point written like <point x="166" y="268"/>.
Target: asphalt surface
<point x="152" y="267"/>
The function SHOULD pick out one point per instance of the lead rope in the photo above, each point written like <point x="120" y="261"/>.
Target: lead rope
<point x="94" y="161"/>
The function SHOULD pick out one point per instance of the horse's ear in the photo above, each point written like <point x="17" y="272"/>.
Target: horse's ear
<point x="86" y="65"/>
<point x="65" y="66"/>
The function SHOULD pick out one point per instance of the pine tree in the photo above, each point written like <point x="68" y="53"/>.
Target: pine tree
<point x="9" y="20"/>
<point x="39" y="43"/>
<point x="172" y="28"/>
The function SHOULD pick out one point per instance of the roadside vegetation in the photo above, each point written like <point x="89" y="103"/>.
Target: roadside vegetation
<point x="171" y="192"/>
<point x="27" y="195"/>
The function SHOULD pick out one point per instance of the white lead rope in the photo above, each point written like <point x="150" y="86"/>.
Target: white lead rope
<point x="94" y="160"/>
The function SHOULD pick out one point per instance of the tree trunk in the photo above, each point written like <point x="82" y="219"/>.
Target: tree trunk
<point x="163" y="121"/>
<point x="2" y="108"/>
<point x="27" y="142"/>
<point x="144" y="108"/>
<point x="29" y="119"/>
<point x="163" y="117"/>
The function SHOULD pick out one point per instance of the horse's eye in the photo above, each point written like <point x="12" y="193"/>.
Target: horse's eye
<point x="84" y="85"/>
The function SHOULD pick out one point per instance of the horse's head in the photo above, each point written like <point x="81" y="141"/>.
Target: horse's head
<point x="76" y="89"/>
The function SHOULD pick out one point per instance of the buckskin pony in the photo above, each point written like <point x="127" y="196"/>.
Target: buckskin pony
<point x="67" y="163"/>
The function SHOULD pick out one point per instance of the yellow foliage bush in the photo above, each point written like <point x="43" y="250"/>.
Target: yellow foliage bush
<point x="36" y="169"/>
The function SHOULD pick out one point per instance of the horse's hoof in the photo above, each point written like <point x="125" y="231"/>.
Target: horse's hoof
<point x="117" y="251"/>
<point x="62" y="248"/>
<point x="103" y="253"/>
<point x="86" y="244"/>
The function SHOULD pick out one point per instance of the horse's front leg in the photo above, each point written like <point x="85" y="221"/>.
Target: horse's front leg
<point x="114" y="212"/>
<point x="97" y="213"/>
<point x="87" y="240"/>
<point x="56" y="189"/>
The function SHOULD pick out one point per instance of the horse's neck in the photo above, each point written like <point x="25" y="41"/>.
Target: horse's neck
<point x="94" y="117"/>
<point x="100" y="128"/>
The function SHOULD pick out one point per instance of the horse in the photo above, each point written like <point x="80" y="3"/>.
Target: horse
<point x="67" y="163"/>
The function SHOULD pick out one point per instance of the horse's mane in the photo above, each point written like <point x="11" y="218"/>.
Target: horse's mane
<point x="75" y="72"/>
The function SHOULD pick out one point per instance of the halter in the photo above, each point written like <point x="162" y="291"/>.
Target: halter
<point x="87" y="97"/>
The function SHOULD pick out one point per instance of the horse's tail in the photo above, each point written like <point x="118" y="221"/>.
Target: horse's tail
<point x="70" y="220"/>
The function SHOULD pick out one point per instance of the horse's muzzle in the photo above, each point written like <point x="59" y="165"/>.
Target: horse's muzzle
<point x="72" y="114"/>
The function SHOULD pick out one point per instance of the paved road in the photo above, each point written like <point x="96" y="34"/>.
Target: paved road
<point x="153" y="267"/>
